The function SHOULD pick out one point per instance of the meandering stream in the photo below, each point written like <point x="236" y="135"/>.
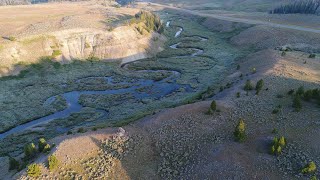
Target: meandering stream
<point x="162" y="88"/>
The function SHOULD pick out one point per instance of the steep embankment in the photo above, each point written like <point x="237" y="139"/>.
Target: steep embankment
<point x="124" y="43"/>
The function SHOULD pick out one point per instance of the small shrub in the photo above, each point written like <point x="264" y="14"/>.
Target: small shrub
<point x="87" y="45"/>
<point x="274" y="131"/>
<point x="248" y="86"/>
<point x="240" y="131"/>
<point x="291" y="92"/>
<point x="228" y="85"/>
<point x="238" y="95"/>
<point x="93" y="58"/>
<point x="283" y="53"/>
<point x="13" y="164"/>
<point x="140" y="30"/>
<point x="280" y="96"/>
<point x="95" y="128"/>
<point x="34" y="170"/>
<point x="81" y="130"/>
<point x="238" y="67"/>
<point x="221" y="88"/>
<point x="69" y="132"/>
<point x="12" y="38"/>
<point x="111" y="28"/>
<point x="309" y="168"/>
<point x="275" y="111"/>
<point x="56" y="53"/>
<point x="312" y="56"/>
<point x="56" y="65"/>
<point x="253" y="70"/>
<point x="53" y="162"/>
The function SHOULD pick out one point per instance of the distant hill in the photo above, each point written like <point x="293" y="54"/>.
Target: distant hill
<point x="21" y="2"/>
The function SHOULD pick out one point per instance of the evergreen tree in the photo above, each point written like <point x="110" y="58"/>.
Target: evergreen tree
<point x="297" y="103"/>
<point x="314" y="178"/>
<point x="42" y="143"/>
<point x="248" y="86"/>
<point x="309" y="168"/>
<point x="239" y="133"/>
<point x="213" y="105"/>
<point x="300" y="91"/>
<point x="282" y="141"/>
<point x="13" y="164"/>
<point x="259" y="86"/>
<point x="273" y="149"/>
<point x="279" y="149"/>
<point x="277" y="145"/>
<point x="30" y="150"/>
<point x="46" y="148"/>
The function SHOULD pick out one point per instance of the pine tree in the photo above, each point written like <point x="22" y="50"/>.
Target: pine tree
<point x="282" y="141"/>
<point x="300" y="91"/>
<point x="277" y="145"/>
<point x="213" y="105"/>
<point x="46" y="148"/>
<point x="297" y="103"/>
<point x="309" y="168"/>
<point x="248" y="86"/>
<point x="279" y="149"/>
<point x="30" y="150"/>
<point x="239" y="133"/>
<point x="273" y="149"/>
<point x="13" y="164"/>
<point x="259" y="86"/>
<point x="275" y="141"/>
<point x="42" y="143"/>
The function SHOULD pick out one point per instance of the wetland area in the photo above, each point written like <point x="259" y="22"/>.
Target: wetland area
<point x="49" y="99"/>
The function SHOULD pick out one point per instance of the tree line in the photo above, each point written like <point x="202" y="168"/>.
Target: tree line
<point x="299" y="7"/>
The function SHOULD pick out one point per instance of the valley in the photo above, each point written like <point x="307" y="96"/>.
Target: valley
<point x="116" y="99"/>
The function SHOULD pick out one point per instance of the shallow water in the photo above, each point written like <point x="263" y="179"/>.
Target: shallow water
<point x="179" y="32"/>
<point x="158" y="89"/>
<point x="168" y="24"/>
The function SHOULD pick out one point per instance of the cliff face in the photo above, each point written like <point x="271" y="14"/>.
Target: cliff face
<point x="123" y="43"/>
